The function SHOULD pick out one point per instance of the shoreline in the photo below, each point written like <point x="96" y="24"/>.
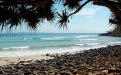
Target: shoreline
<point x="105" y="60"/>
<point x="16" y="59"/>
<point x="110" y="34"/>
<point x="8" y="60"/>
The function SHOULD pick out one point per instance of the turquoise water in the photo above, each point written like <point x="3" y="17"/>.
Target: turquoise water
<point x="42" y="43"/>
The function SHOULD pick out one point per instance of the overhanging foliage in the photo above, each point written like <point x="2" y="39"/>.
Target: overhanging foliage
<point x="34" y="12"/>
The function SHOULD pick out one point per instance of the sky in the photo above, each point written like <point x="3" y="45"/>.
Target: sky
<point x="91" y="19"/>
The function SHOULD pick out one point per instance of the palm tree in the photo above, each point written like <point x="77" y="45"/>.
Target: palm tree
<point x="34" y="12"/>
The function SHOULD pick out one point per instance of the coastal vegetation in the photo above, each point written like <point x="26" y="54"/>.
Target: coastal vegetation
<point x="116" y="31"/>
<point x="54" y="53"/>
<point x="14" y="12"/>
<point x="117" y="27"/>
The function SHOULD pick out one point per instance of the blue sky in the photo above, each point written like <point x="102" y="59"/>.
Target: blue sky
<point x="91" y="19"/>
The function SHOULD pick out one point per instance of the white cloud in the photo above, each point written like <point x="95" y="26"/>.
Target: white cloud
<point x="98" y="20"/>
<point x="89" y="12"/>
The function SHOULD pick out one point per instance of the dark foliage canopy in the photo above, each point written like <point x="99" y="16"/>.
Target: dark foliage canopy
<point x="34" y="12"/>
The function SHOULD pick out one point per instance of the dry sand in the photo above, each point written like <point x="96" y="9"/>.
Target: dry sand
<point x="101" y="61"/>
<point x="8" y="60"/>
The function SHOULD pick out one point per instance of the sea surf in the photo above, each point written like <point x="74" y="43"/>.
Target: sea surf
<point x="23" y="44"/>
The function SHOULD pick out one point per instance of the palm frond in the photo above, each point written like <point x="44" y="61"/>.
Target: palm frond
<point x="63" y="19"/>
<point x="49" y="12"/>
<point x="73" y="4"/>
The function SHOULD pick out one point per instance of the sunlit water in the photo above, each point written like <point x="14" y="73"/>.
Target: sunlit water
<point x="42" y="43"/>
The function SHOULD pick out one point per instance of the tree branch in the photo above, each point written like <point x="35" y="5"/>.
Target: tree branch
<point x="109" y="5"/>
<point x="68" y="3"/>
<point x="36" y="2"/>
<point x="114" y="22"/>
<point x="37" y="7"/>
<point x="116" y="4"/>
<point x="80" y="8"/>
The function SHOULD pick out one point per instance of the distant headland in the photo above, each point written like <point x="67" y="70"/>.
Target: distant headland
<point x="111" y="34"/>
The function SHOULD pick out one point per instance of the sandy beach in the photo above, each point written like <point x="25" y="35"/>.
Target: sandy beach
<point x="101" y="61"/>
<point x="15" y="59"/>
<point x="9" y="60"/>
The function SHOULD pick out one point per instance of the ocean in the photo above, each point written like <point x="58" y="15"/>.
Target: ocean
<point x="23" y="44"/>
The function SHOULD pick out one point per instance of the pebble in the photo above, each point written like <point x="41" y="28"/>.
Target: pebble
<point x="102" y="61"/>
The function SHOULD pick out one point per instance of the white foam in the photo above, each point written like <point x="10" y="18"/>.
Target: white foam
<point x="88" y="39"/>
<point x="47" y="38"/>
<point x="59" y="37"/>
<point x="114" y="43"/>
<point x="54" y="38"/>
<point x="80" y="36"/>
<point x="79" y="44"/>
<point x="93" y="43"/>
<point x="25" y="52"/>
<point x="84" y="36"/>
<point x="24" y="47"/>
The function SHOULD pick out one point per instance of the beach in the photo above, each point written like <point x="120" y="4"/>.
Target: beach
<point x="101" y="61"/>
<point x="9" y="60"/>
<point x="60" y="54"/>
